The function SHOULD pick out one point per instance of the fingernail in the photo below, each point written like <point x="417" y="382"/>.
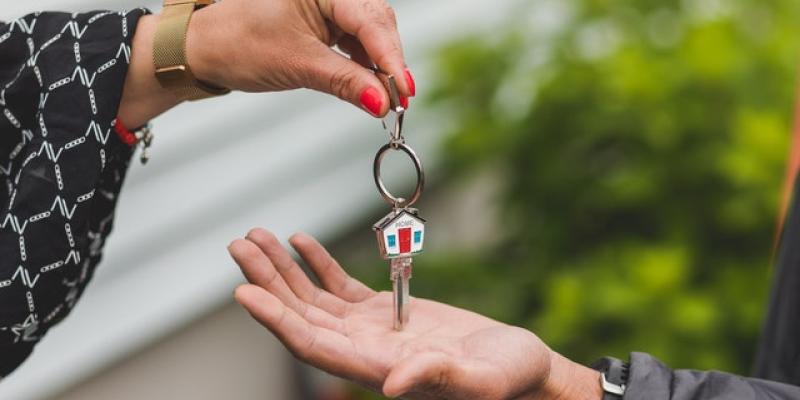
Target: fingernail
<point x="404" y="102"/>
<point x="371" y="100"/>
<point x="412" y="87"/>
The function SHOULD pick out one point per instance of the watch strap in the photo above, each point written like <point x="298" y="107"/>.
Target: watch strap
<point x="169" y="52"/>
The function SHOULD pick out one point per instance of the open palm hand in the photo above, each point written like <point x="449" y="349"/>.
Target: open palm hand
<point x="345" y="328"/>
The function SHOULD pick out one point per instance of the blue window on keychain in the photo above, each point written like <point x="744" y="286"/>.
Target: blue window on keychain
<point x="392" y="240"/>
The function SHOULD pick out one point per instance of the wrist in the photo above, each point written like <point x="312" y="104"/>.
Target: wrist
<point x="569" y="380"/>
<point x="143" y="98"/>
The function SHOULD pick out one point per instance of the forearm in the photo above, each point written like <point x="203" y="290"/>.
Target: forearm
<point x="143" y="98"/>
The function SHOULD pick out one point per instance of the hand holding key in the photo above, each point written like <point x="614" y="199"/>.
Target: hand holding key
<point x="345" y="329"/>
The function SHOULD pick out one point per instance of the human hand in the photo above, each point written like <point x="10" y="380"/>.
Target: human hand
<point x="271" y="45"/>
<point x="345" y="328"/>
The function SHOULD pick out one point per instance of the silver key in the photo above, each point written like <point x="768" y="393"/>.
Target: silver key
<point x="400" y="275"/>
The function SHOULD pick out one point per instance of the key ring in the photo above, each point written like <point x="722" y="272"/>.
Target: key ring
<point x="398" y="202"/>
<point x="393" y="123"/>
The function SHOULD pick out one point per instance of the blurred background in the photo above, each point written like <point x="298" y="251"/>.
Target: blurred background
<point x="605" y="173"/>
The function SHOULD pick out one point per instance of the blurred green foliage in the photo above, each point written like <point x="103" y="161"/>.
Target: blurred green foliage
<point x="642" y="146"/>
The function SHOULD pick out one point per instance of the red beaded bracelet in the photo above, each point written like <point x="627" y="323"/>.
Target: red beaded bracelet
<point x="124" y="134"/>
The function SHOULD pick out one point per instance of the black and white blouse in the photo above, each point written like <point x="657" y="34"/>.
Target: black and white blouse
<point x="61" y="164"/>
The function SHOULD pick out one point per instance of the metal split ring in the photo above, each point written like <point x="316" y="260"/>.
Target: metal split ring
<point x="398" y="202"/>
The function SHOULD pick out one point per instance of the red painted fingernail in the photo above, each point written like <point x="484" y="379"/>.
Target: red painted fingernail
<point x="404" y="102"/>
<point x="371" y="100"/>
<point x="412" y="87"/>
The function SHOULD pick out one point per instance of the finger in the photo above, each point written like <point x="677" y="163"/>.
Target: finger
<point x="315" y="345"/>
<point x="258" y="270"/>
<point x="330" y="72"/>
<point x="374" y="23"/>
<point x="293" y="275"/>
<point x="333" y="278"/>
<point x="352" y="47"/>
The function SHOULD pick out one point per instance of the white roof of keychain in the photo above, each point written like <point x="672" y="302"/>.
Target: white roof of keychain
<point x="390" y="219"/>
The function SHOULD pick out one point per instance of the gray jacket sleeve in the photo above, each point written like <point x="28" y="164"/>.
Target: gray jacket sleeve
<point x="649" y="379"/>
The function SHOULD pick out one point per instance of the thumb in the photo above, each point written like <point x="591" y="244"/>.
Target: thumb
<point x="332" y="73"/>
<point x="428" y="373"/>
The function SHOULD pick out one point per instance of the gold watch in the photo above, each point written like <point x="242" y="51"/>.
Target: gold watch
<point x="169" y="52"/>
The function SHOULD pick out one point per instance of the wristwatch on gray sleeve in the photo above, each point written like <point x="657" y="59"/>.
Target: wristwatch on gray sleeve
<point x="613" y="377"/>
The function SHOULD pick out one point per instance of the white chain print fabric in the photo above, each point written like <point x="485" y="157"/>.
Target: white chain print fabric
<point x="61" y="164"/>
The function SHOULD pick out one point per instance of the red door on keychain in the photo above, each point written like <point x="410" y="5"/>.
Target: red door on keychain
<point x="405" y="240"/>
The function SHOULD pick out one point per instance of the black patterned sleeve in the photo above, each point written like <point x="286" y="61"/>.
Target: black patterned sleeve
<point x="61" y="164"/>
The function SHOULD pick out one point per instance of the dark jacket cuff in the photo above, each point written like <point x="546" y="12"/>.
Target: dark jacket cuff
<point x="650" y="379"/>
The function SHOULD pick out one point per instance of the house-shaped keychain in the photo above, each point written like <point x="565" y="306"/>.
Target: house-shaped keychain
<point x="400" y="234"/>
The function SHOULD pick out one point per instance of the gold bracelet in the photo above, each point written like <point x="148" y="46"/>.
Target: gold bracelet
<point x="169" y="52"/>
